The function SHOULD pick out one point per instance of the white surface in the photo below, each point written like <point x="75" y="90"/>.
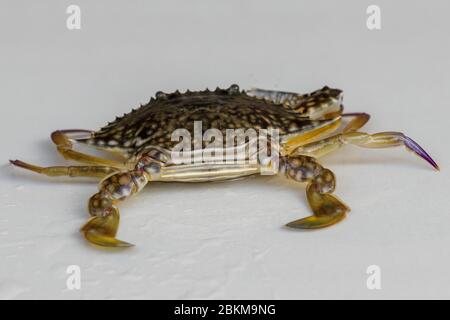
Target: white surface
<point x="226" y="240"/>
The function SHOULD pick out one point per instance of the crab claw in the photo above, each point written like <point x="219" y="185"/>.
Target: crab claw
<point x="101" y="231"/>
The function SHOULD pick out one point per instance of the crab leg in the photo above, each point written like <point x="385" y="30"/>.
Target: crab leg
<point x="365" y="140"/>
<point x="71" y="171"/>
<point x="102" y="227"/>
<point x="65" y="147"/>
<point x="327" y="208"/>
<point x="359" y="120"/>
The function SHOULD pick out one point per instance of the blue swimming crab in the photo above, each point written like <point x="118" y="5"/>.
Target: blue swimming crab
<point x="309" y="126"/>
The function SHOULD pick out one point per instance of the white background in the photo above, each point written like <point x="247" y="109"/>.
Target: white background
<point x="227" y="240"/>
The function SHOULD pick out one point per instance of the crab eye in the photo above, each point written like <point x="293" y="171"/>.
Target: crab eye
<point x="233" y="89"/>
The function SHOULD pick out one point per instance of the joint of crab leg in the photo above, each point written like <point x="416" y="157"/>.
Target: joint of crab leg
<point x="359" y="120"/>
<point x="102" y="226"/>
<point x="399" y="138"/>
<point x="63" y="140"/>
<point x="327" y="208"/>
<point x="386" y="140"/>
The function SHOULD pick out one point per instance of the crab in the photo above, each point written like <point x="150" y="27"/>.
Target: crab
<point x="309" y="126"/>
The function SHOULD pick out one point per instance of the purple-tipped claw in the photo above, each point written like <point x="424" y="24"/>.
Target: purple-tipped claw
<point x="414" y="146"/>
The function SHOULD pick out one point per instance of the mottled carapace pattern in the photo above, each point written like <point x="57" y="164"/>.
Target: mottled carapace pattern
<point x="152" y="124"/>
